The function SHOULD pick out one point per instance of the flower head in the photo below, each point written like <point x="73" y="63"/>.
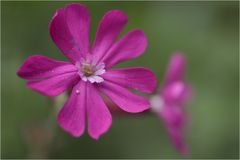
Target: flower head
<point x="170" y="102"/>
<point x="89" y="72"/>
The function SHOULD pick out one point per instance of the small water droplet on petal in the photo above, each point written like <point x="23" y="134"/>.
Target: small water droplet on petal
<point x="78" y="91"/>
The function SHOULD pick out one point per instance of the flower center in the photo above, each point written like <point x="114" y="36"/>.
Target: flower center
<point x="89" y="71"/>
<point x="157" y="103"/>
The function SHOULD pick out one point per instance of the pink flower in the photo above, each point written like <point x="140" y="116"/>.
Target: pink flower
<point x="170" y="102"/>
<point x="89" y="74"/>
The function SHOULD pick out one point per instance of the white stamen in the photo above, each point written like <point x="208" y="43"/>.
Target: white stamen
<point x="91" y="79"/>
<point x="156" y="103"/>
<point x="84" y="79"/>
<point x="98" y="79"/>
<point x="100" y="66"/>
<point x="100" y="71"/>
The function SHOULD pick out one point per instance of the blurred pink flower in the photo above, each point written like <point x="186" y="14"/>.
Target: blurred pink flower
<point x="89" y="72"/>
<point x="170" y="102"/>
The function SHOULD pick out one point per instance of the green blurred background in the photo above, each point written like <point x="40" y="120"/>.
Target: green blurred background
<point x="207" y="32"/>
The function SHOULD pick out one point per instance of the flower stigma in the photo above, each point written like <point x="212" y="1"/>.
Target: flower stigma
<point x="89" y="71"/>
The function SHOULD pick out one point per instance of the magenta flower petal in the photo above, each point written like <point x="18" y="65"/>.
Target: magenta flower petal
<point x="130" y="46"/>
<point x="40" y="67"/>
<point x="178" y="140"/>
<point x="140" y="79"/>
<point x="78" y="21"/>
<point x="125" y="99"/>
<point x="176" y="93"/>
<point x="99" y="117"/>
<point x="176" y="68"/>
<point x="69" y="30"/>
<point x="54" y="85"/>
<point x="173" y="116"/>
<point x="109" y="28"/>
<point x="72" y="116"/>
